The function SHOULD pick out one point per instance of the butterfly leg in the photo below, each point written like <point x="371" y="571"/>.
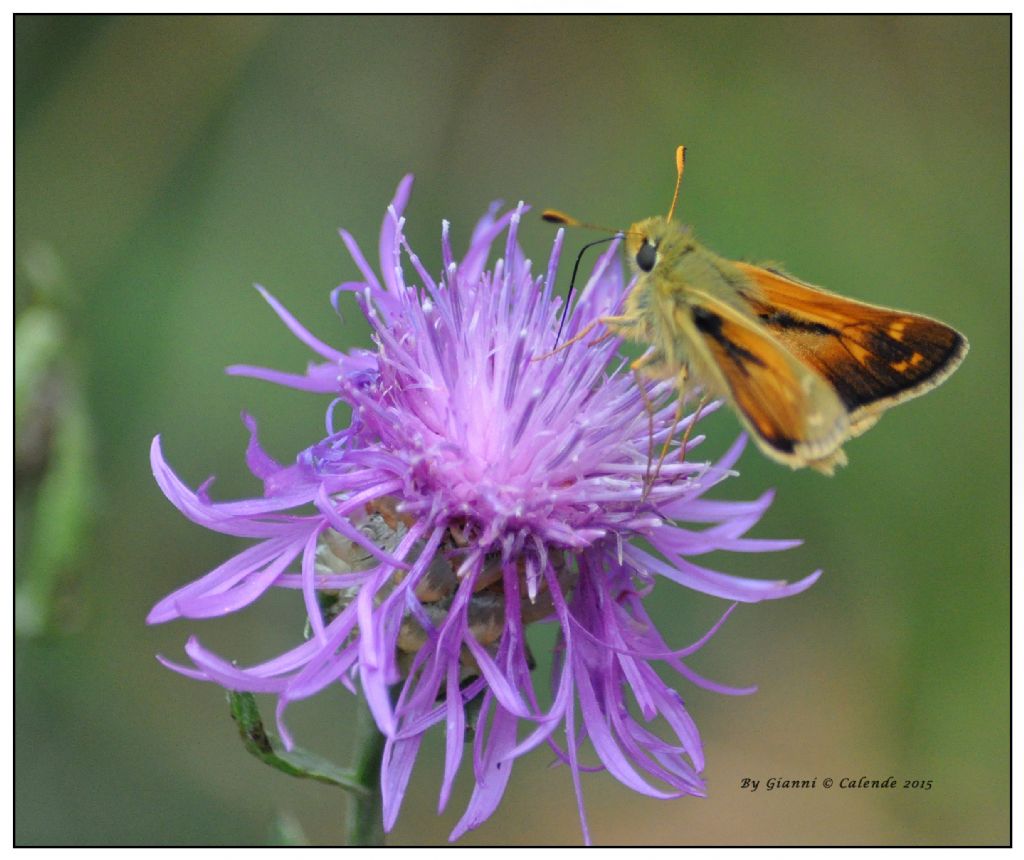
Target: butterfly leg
<point x="587" y="329"/>
<point x="614" y="326"/>
<point x="636" y="366"/>
<point x="649" y="409"/>
<point x="686" y="434"/>
<point x="681" y="379"/>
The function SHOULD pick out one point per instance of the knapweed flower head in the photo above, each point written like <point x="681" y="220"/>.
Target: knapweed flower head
<point x="480" y="488"/>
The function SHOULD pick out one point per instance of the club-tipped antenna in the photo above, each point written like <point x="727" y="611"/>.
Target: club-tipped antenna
<point x="557" y="217"/>
<point x="680" y="163"/>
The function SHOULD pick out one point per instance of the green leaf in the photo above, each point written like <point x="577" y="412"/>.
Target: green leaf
<point x="296" y="762"/>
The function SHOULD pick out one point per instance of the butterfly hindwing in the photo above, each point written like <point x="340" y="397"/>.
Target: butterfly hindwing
<point x="791" y="411"/>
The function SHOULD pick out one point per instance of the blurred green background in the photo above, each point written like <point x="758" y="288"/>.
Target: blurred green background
<point x="164" y="164"/>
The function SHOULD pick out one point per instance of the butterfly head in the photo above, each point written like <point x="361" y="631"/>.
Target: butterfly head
<point x="653" y="240"/>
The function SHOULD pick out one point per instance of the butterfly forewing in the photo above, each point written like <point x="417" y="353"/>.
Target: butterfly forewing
<point x="873" y="357"/>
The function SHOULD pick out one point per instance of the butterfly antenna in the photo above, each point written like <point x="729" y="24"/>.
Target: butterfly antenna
<point x="572" y="281"/>
<point x="557" y="217"/>
<point x="680" y="162"/>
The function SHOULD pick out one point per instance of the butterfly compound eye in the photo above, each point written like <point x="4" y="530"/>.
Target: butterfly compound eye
<point x="646" y="257"/>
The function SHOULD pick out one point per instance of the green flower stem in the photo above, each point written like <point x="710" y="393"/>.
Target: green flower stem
<point x="366" y="809"/>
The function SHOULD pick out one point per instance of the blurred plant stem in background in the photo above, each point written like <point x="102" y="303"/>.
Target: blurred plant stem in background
<point x="56" y="488"/>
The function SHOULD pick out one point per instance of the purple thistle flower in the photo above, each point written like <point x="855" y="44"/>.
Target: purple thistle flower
<point x="474" y="492"/>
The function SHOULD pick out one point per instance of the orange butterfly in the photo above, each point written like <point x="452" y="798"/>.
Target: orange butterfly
<point x="804" y="369"/>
